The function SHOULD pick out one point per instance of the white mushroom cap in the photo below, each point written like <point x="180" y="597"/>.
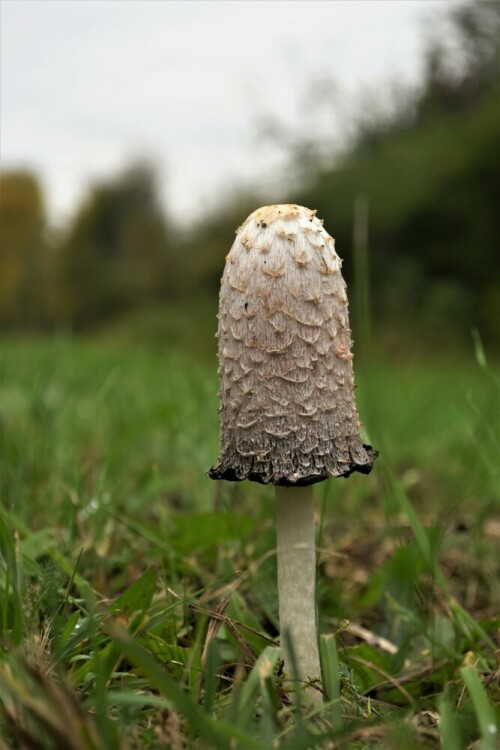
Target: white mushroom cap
<point x="287" y="412"/>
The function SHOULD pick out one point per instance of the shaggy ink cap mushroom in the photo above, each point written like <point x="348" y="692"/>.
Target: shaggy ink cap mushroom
<point x="287" y="411"/>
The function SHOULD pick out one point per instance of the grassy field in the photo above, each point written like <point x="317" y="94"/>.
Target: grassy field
<point x="138" y="603"/>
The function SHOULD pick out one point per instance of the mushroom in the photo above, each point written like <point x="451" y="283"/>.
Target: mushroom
<point x="287" y="411"/>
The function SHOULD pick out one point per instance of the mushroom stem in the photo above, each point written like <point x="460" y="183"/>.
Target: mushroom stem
<point x="296" y="547"/>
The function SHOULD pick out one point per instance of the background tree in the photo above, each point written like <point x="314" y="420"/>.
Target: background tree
<point x="118" y="251"/>
<point x="462" y="60"/>
<point x="26" y="260"/>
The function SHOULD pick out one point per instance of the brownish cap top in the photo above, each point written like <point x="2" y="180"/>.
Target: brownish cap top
<point x="287" y="412"/>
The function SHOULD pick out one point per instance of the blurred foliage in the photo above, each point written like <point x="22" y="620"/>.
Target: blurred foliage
<point x="118" y="252"/>
<point x="427" y="165"/>
<point x="463" y="59"/>
<point x="27" y="264"/>
<point x="434" y="223"/>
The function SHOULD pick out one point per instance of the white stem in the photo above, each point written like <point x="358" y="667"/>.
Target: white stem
<point x="297" y="579"/>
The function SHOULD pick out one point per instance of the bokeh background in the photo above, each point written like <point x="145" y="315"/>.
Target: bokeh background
<point x="137" y="136"/>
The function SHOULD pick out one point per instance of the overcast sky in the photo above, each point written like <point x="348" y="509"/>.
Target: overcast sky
<point x="87" y="85"/>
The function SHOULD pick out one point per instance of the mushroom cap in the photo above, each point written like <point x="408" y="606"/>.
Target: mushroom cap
<point x="287" y="411"/>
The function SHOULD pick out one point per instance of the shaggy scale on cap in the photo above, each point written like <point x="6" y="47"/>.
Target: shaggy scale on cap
<point x="287" y="412"/>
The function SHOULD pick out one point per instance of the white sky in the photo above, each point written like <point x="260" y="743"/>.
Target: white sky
<point x="86" y="85"/>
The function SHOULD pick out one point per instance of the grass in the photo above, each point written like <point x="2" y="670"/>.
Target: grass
<point x="138" y="604"/>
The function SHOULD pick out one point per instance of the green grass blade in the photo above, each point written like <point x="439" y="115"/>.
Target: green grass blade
<point x="210" y="676"/>
<point x="11" y="609"/>
<point x="485" y="714"/>
<point x="331" y="676"/>
<point x="448" y="726"/>
<point x="261" y="671"/>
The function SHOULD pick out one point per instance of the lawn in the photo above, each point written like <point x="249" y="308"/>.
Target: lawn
<point x="138" y="603"/>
